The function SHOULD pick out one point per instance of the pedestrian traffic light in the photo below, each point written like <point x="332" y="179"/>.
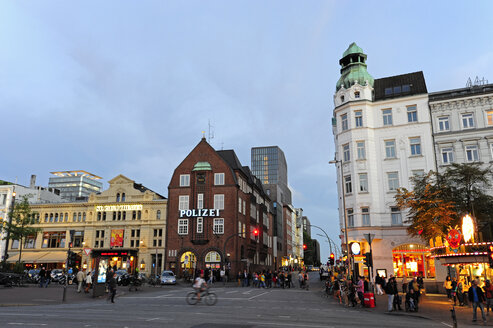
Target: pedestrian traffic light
<point x="304" y="246"/>
<point x="331" y="259"/>
<point x="490" y="255"/>
<point x="368" y="260"/>
<point x="255" y="233"/>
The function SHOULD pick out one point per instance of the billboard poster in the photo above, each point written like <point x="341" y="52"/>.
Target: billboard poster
<point x="102" y="268"/>
<point x="116" y="238"/>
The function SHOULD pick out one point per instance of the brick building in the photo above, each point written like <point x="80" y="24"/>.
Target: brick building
<point x="215" y="205"/>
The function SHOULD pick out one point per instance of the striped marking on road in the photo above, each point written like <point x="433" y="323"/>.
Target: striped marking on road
<point x="251" y="298"/>
<point x="231" y="292"/>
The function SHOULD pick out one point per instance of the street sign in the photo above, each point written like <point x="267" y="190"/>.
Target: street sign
<point x="87" y="251"/>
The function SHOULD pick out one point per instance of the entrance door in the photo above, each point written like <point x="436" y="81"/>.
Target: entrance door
<point x="188" y="263"/>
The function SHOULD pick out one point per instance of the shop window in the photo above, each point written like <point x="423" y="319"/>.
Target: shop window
<point x="212" y="260"/>
<point x="53" y="240"/>
<point x="413" y="260"/>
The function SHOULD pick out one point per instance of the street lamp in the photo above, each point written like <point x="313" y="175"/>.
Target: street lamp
<point x="336" y="161"/>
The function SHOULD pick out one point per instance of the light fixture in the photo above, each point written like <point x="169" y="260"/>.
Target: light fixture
<point x="468" y="228"/>
<point x="355" y="248"/>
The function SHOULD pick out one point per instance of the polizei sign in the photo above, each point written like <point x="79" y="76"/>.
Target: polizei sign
<point x="204" y="212"/>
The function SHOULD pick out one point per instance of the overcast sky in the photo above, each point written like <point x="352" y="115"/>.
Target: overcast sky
<point x="127" y="87"/>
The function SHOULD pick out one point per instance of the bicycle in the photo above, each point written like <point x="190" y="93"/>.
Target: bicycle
<point x="208" y="297"/>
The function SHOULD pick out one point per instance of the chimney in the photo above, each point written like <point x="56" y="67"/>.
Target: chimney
<point x="33" y="181"/>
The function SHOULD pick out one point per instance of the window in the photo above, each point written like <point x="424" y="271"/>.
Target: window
<point x="219" y="179"/>
<point x="200" y="201"/>
<point x="472" y="153"/>
<point x="239" y="205"/>
<point x="447" y="155"/>
<point x="344" y="122"/>
<point x="345" y="151"/>
<point x="397" y="89"/>
<point x="219" y="202"/>
<point x="467" y="121"/>
<point x="342" y="98"/>
<point x="139" y="215"/>
<point x="56" y="217"/>
<point x="218" y="226"/>
<point x="200" y="225"/>
<point x="158" y="238"/>
<point x="387" y="116"/>
<point x="79" y="217"/>
<point x="30" y="242"/>
<point x="46" y="217"/>
<point x="3" y="199"/>
<point x="360" y="147"/>
<point x="356" y="94"/>
<point x="412" y="114"/>
<point x="415" y="146"/>
<point x="347" y="183"/>
<point x="491" y="152"/>
<point x="135" y="238"/>
<point x="244" y="207"/>
<point x="365" y="216"/>
<point x="350" y="217"/>
<point x="418" y="173"/>
<point x="393" y="179"/>
<point x="99" y="240"/>
<point x="395" y="213"/>
<point x="406" y="88"/>
<point x="123" y="197"/>
<point x="358" y="119"/>
<point x="183" y="202"/>
<point x="78" y="239"/>
<point x="388" y="91"/>
<point x="443" y="123"/>
<point x="389" y="148"/>
<point x="158" y="215"/>
<point x="118" y="197"/>
<point x="363" y="182"/>
<point x="53" y="240"/>
<point x="184" y="180"/>
<point x="183" y="226"/>
<point x="489" y="117"/>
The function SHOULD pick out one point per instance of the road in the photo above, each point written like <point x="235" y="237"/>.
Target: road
<point x="237" y="307"/>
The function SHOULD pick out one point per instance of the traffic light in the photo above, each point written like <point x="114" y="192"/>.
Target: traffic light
<point x="304" y="246"/>
<point x="490" y="255"/>
<point x="331" y="259"/>
<point x="368" y="260"/>
<point x="255" y="233"/>
<point x="72" y="259"/>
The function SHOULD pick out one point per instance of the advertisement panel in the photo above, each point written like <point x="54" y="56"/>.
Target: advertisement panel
<point x="116" y="239"/>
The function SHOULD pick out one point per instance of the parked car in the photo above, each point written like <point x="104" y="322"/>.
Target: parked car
<point x="168" y="278"/>
<point x="56" y="274"/>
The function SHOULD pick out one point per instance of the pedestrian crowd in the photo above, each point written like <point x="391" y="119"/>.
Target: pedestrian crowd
<point x="277" y="279"/>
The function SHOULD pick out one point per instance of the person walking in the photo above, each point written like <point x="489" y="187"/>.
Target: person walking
<point x="460" y="291"/>
<point x="360" y="288"/>
<point x="112" y="285"/>
<point x="222" y="274"/>
<point x="476" y="297"/>
<point x="300" y="279"/>
<point x="81" y="277"/>
<point x="447" y="284"/>
<point x="42" y="277"/>
<point x="378" y="282"/>
<point x="306" y="281"/>
<point x="390" y="290"/>
<point x="488" y="290"/>
<point x="47" y="278"/>
<point x="88" y="283"/>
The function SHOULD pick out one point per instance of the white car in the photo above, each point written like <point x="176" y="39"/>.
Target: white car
<point x="168" y="278"/>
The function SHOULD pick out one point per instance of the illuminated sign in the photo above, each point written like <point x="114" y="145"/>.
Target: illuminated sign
<point x="204" y="212"/>
<point x="114" y="208"/>
<point x="467" y="228"/>
<point x="114" y="254"/>
<point x="355" y="248"/>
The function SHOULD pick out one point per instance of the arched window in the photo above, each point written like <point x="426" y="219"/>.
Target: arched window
<point x="79" y="217"/>
<point x="66" y="217"/>
<point x="56" y="217"/>
<point x="99" y="216"/>
<point x="118" y="197"/>
<point x="342" y="98"/>
<point x="213" y="257"/>
<point x="84" y="217"/>
<point x="74" y="217"/>
<point x="356" y="94"/>
<point x="46" y="217"/>
<point x="158" y="215"/>
<point x="123" y="197"/>
<point x="51" y="217"/>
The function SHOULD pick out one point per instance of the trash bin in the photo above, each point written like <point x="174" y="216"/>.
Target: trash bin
<point x="369" y="300"/>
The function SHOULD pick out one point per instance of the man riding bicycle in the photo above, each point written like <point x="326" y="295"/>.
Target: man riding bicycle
<point x="199" y="285"/>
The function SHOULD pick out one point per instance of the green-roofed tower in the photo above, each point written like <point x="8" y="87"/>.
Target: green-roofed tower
<point x="353" y="68"/>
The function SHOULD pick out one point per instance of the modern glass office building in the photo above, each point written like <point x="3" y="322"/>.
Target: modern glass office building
<point x="75" y="185"/>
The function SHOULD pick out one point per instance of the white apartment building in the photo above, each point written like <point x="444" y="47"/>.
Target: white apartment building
<point x="382" y="134"/>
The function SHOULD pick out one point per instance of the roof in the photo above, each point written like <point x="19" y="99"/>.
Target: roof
<point x="352" y="49"/>
<point x="142" y="188"/>
<point x="392" y="86"/>
<point x="76" y="173"/>
<point x="202" y="166"/>
<point x="353" y="68"/>
<point x="460" y="93"/>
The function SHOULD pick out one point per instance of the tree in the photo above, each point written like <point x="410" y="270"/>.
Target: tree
<point x="430" y="210"/>
<point x="20" y="225"/>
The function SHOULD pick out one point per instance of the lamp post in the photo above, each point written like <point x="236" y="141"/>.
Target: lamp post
<point x="349" y="257"/>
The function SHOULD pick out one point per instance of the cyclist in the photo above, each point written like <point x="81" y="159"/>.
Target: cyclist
<point x="199" y="285"/>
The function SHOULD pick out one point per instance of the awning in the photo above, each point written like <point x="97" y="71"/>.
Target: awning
<point x="463" y="259"/>
<point x="26" y="257"/>
<point x="53" y="257"/>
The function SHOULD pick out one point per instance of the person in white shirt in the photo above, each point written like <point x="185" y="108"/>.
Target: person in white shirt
<point x="199" y="285"/>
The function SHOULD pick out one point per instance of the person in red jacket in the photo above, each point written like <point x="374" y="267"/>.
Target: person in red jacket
<point x="488" y="290"/>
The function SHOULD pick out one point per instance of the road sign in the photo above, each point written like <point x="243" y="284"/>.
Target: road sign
<point x="87" y="251"/>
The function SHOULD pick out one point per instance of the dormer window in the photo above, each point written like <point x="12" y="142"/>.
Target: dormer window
<point x="356" y="95"/>
<point x="342" y="98"/>
<point x="118" y="197"/>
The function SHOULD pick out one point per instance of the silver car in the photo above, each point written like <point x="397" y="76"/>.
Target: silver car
<point x="168" y="278"/>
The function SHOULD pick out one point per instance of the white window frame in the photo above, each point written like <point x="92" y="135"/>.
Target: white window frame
<point x="344" y="122"/>
<point x="393" y="180"/>
<point x="387" y="117"/>
<point x="184" y="180"/>
<point x="350" y="217"/>
<point x="363" y="182"/>
<point x="473" y="151"/>
<point x="219" y="179"/>
<point x="200" y="225"/>
<point x="396" y="216"/>
<point x="239" y="205"/>
<point x="365" y="217"/>
<point x="183" y="226"/>
<point x="358" y="118"/>
<point x="449" y="154"/>
<point x="200" y="201"/>
<point x="346" y="152"/>
<point x="390" y="151"/>
<point x="467" y="120"/>
<point x="412" y="114"/>
<point x="361" y="148"/>
<point x="415" y="144"/>
<point x="444" y="123"/>
<point x="219" y="201"/>
<point x="183" y="202"/>
<point x="218" y="226"/>
<point x="348" y="186"/>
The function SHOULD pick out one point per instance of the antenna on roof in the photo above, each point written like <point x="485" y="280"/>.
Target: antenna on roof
<point x="477" y="82"/>
<point x="211" y="131"/>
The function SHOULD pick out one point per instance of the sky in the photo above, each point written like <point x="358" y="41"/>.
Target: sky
<point x="127" y="87"/>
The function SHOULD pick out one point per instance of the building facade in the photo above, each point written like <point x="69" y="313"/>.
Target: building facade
<point x="124" y="225"/>
<point x="382" y="135"/>
<point x="219" y="215"/>
<point x="75" y="185"/>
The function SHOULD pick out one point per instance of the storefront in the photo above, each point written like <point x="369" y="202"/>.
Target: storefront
<point x="413" y="260"/>
<point x="213" y="260"/>
<point x="121" y="259"/>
